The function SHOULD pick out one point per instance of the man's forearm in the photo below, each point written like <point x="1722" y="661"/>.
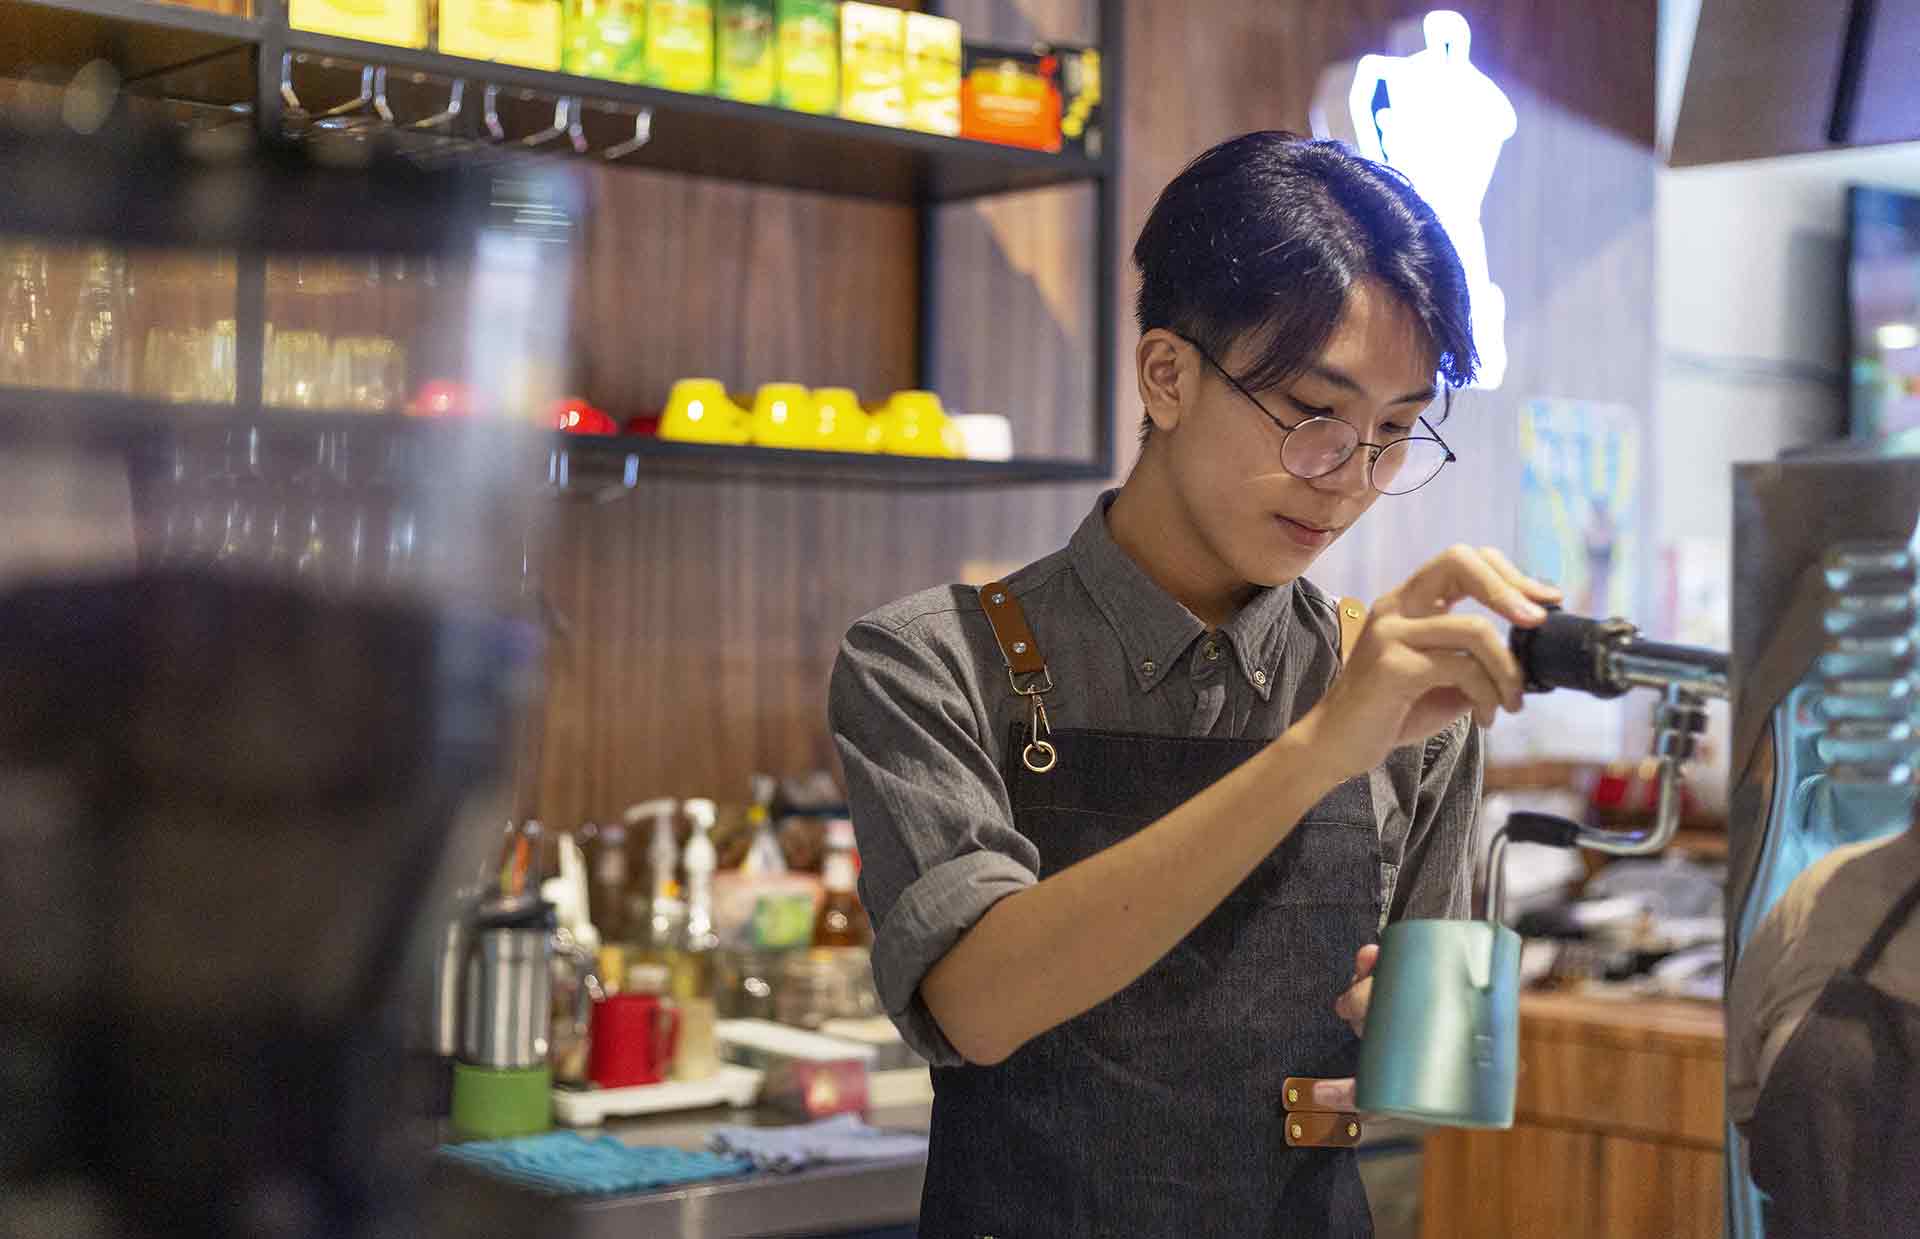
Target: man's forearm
<point x="1042" y="956"/>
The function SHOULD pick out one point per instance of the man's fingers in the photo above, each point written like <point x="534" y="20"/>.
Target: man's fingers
<point x="1447" y="668"/>
<point x="1469" y="634"/>
<point x="1352" y="1005"/>
<point x="1532" y="587"/>
<point x="1462" y="573"/>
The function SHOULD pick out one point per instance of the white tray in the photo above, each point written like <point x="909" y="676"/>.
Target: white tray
<point x="732" y="1086"/>
<point x="905" y="1086"/>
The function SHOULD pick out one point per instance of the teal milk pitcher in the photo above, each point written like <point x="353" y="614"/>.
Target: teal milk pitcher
<point x="1442" y="1041"/>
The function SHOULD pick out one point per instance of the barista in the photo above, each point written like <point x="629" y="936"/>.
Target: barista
<point x="1823" y="1045"/>
<point x="1125" y="837"/>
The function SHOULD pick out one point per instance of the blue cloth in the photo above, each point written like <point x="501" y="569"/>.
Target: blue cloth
<point x="842" y="1138"/>
<point x="568" y="1163"/>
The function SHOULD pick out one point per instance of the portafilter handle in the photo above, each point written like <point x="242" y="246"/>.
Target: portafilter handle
<point x="1605" y="658"/>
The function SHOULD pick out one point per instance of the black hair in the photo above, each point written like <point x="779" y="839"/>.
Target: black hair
<point x="1267" y="233"/>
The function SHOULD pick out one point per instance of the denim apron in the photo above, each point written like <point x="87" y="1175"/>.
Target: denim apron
<point x="1834" y="1141"/>
<point x="1157" y="1114"/>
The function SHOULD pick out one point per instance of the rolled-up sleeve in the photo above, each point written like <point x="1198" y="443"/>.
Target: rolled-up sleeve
<point x="938" y="847"/>
<point x="1436" y="871"/>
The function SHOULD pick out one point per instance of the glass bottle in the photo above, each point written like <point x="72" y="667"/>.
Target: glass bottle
<point x="26" y="320"/>
<point x="841" y="922"/>
<point x="98" y="349"/>
<point x="607" y="880"/>
<point x="693" y="964"/>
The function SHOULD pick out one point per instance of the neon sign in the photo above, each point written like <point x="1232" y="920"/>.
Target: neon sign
<point x="1432" y="115"/>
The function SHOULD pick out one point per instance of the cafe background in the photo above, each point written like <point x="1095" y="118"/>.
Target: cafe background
<point x="1696" y="312"/>
<point x="705" y="615"/>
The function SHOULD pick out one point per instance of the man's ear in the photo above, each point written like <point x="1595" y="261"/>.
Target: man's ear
<point x="1169" y="377"/>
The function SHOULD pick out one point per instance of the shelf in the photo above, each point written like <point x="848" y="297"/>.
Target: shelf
<point x="142" y="40"/>
<point x="136" y="185"/>
<point x="596" y="463"/>
<point x="701" y="135"/>
<point x="584" y="464"/>
<point x="139" y="36"/>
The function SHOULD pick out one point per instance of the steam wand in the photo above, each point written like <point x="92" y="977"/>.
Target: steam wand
<point x="1606" y="658"/>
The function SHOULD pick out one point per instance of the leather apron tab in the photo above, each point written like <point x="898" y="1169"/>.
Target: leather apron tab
<point x="1308" y="1126"/>
<point x="1011" y="630"/>
<point x="1353" y="618"/>
<point x="1026" y="671"/>
<point x="1316" y="1129"/>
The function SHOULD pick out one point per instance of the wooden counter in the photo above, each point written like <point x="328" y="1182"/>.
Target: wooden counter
<point x="1617" y="1129"/>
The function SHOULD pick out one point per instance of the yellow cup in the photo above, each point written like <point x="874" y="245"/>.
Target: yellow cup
<point x="783" y="416"/>
<point x="914" y="424"/>
<point x="844" y="425"/>
<point x="699" y="411"/>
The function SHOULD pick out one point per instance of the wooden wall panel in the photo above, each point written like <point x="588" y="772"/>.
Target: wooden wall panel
<point x="705" y="617"/>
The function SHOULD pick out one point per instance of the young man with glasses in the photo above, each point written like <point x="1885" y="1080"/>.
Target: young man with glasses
<point x="1126" y="835"/>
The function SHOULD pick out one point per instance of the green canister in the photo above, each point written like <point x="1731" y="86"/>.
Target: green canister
<point x="807" y="51"/>
<point x="743" y="54"/>
<point x="604" y="39"/>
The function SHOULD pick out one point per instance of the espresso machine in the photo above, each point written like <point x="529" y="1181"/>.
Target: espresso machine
<point x="264" y="655"/>
<point x="1826" y="564"/>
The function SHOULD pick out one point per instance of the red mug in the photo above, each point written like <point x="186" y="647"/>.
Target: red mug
<point x="634" y="1039"/>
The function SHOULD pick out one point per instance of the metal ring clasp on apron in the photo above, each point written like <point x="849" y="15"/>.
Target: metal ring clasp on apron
<point x="1039" y="756"/>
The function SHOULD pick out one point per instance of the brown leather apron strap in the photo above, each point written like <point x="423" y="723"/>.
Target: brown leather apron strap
<point x="1322" y="1129"/>
<point x="1353" y="618"/>
<point x="1011" y="630"/>
<point x="1026" y="670"/>
<point x="1312" y="1128"/>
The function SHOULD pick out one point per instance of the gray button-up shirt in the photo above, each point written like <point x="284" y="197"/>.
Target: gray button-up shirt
<point x="920" y="708"/>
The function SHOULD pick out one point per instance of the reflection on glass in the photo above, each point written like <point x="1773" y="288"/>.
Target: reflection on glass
<point x="98" y="346"/>
<point x="369" y="373"/>
<point x="26" y="320"/>
<point x="223" y="363"/>
<point x="175" y="365"/>
<point x="298" y="370"/>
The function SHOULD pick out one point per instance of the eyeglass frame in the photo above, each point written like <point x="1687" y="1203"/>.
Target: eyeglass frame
<point x="1374" y="449"/>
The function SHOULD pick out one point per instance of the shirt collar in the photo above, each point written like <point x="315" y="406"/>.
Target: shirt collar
<point x="1154" y="628"/>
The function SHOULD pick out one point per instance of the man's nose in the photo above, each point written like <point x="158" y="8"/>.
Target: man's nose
<point x="1350" y="478"/>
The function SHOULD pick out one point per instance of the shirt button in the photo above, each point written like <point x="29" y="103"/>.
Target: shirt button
<point x="1212" y="651"/>
<point x="1260" y="678"/>
<point x="1148" y="667"/>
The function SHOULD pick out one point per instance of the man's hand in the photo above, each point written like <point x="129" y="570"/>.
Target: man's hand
<point x="1351" y="1007"/>
<point x="1417" y="667"/>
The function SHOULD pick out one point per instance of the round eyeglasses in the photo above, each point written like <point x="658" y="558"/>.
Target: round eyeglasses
<point x="1317" y="446"/>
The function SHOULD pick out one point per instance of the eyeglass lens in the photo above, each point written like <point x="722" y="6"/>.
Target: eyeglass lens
<point x="1320" y="445"/>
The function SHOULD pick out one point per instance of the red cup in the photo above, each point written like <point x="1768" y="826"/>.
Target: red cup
<point x="634" y="1039"/>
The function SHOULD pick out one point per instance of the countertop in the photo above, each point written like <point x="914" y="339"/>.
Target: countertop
<point x="824" y="1201"/>
<point x="1626" y="1020"/>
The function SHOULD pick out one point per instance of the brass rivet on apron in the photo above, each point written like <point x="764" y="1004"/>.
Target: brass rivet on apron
<point x="1148" y="666"/>
<point x="1260" y="677"/>
<point x="999" y="600"/>
<point x="1019" y="647"/>
<point x="1353" y="1131"/>
<point x="1296" y="1131"/>
<point x="1293" y="1095"/>
<point x="1353" y="612"/>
